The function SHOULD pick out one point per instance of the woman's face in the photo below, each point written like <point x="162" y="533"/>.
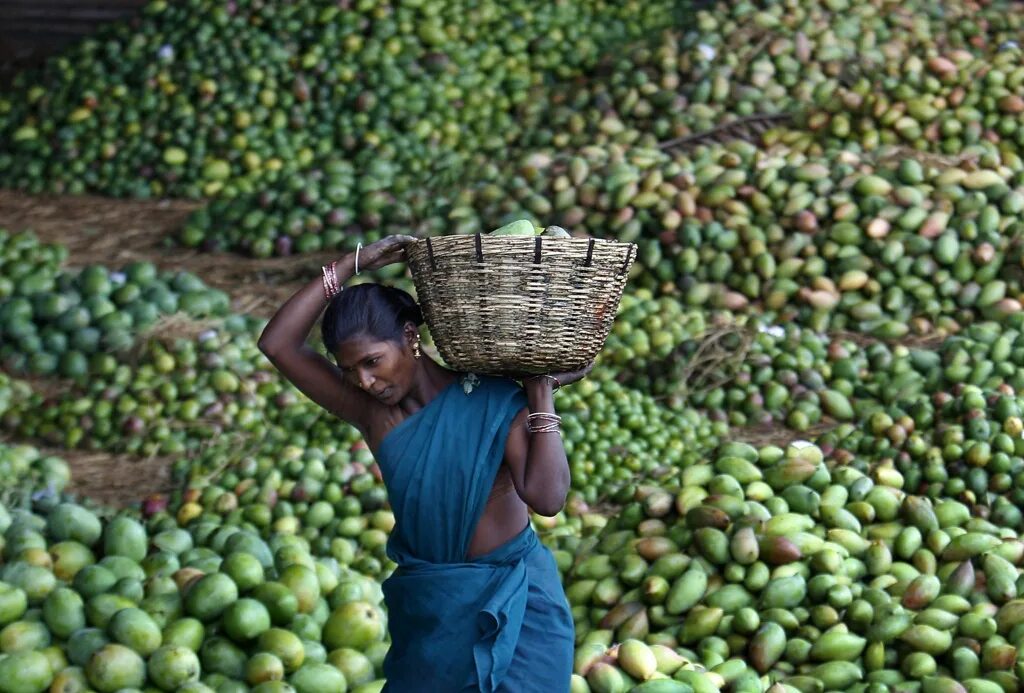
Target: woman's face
<point x="382" y="369"/>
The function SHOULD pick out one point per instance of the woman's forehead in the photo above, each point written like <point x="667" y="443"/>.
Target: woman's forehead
<point x="355" y="349"/>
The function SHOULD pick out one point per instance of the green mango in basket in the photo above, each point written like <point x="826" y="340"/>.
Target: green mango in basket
<point x="556" y="232"/>
<point x="520" y="227"/>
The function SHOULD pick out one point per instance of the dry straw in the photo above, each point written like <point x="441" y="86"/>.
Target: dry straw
<point x="517" y="305"/>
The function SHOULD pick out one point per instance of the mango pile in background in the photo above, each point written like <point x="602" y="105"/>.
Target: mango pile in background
<point x="798" y="466"/>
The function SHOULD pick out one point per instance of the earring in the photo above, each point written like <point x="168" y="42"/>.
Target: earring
<point x="416" y="349"/>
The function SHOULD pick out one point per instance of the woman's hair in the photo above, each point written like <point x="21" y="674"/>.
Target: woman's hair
<point x="374" y="310"/>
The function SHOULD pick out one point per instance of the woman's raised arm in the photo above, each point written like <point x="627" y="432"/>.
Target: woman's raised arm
<point x="537" y="461"/>
<point x="284" y="343"/>
<point x="284" y="338"/>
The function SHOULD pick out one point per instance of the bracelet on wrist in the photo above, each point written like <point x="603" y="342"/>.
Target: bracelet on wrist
<point x="330" y="280"/>
<point x="556" y="385"/>
<point x="550" y="423"/>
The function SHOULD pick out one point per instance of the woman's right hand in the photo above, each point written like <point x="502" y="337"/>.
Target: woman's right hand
<point x="386" y="251"/>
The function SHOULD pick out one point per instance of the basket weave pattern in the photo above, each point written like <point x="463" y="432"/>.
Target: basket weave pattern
<point x="515" y="305"/>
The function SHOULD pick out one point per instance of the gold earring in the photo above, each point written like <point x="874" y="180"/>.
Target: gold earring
<point x="416" y="349"/>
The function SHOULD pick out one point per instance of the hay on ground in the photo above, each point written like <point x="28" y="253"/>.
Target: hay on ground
<point x="169" y="328"/>
<point x="717" y="359"/>
<point x="760" y="435"/>
<point x="911" y="341"/>
<point x="118" y="480"/>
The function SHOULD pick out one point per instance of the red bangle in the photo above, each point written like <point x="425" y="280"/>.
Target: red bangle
<point x="330" y="279"/>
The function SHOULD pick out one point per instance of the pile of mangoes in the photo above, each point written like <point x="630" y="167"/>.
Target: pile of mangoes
<point x="75" y="322"/>
<point x="205" y="99"/>
<point x="845" y="264"/>
<point x="784" y="565"/>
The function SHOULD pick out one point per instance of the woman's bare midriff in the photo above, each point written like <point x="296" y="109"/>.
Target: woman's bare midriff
<point x="503" y="518"/>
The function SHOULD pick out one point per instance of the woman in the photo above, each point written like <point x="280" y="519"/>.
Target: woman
<point x="475" y="603"/>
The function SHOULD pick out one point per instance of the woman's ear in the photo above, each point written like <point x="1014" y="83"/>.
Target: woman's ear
<point x="412" y="334"/>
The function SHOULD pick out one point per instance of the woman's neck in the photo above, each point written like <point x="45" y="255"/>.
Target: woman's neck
<point x="429" y="380"/>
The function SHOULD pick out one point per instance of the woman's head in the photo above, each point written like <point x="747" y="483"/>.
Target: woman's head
<point x="371" y="330"/>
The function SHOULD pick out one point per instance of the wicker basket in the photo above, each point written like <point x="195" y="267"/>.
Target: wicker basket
<point x="514" y="305"/>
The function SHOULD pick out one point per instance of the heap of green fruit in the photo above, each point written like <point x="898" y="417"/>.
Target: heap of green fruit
<point x="883" y="555"/>
<point x="963" y="445"/>
<point x="75" y="323"/>
<point x="840" y="240"/>
<point x="205" y="99"/>
<point x="648" y="330"/>
<point x="328" y="206"/>
<point x="613" y="433"/>
<point x="176" y="395"/>
<point x="814" y="572"/>
<point x="953" y="102"/>
<point x="322" y="492"/>
<point x="27" y="266"/>
<point x="24" y="470"/>
<point x="775" y="60"/>
<point x="731" y="570"/>
<point x="795" y="376"/>
<point x="734" y="60"/>
<point x="740" y="59"/>
<point x="114" y="605"/>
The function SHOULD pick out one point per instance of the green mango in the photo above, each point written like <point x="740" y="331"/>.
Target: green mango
<point x="520" y="227"/>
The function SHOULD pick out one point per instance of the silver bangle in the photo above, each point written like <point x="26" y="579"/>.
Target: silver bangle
<point x="550" y="422"/>
<point x="359" y="246"/>
<point x="551" y="378"/>
<point x="544" y="429"/>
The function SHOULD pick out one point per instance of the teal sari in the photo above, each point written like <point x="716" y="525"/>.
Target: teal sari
<point x="496" y="622"/>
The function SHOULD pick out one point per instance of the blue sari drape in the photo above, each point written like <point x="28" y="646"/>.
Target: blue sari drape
<point x="496" y="622"/>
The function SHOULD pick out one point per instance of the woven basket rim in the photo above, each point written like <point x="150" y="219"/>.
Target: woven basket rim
<point x="509" y="248"/>
<point x="546" y="240"/>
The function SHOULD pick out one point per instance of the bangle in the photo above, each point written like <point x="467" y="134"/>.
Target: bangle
<point x="551" y="378"/>
<point x="330" y="279"/>
<point x="551" y="424"/>
<point x="359" y="246"/>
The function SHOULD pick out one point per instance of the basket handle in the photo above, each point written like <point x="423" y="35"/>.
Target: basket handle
<point x="629" y="258"/>
<point x="590" y="254"/>
<point x="430" y="254"/>
<point x="479" y="249"/>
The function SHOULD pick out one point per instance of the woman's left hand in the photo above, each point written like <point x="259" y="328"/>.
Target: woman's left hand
<point x="386" y="251"/>
<point x="569" y="377"/>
